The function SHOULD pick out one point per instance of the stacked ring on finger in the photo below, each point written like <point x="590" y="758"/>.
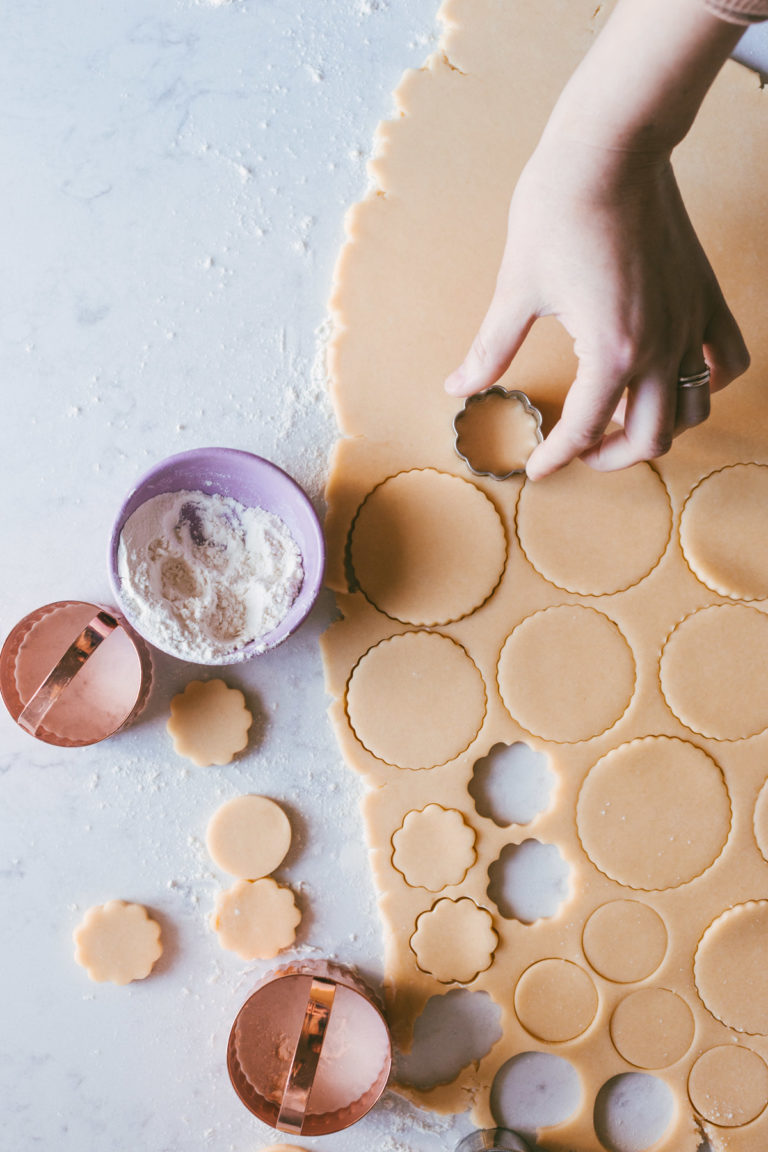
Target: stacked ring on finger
<point x="693" y="398"/>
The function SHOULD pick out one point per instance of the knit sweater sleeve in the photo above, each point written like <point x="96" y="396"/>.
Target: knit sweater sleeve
<point x="739" y="11"/>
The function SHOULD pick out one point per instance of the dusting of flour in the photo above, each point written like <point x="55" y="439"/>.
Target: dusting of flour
<point x="202" y="575"/>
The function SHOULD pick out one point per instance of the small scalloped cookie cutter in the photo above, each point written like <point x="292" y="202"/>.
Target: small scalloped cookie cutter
<point x="485" y="459"/>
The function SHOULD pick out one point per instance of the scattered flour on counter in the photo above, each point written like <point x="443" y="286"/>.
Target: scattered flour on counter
<point x="203" y="575"/>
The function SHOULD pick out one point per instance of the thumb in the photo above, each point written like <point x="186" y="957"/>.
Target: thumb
<point x="506" y="324"/>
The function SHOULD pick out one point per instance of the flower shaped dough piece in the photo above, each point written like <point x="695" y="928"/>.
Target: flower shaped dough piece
<point x="256" y="919"/>
<point x="248" y="836"/>
<point x="209" y="722"/>
<point x="117" y="942"/>
<point x="454" y="941"/>
<point x="434" y="848"/>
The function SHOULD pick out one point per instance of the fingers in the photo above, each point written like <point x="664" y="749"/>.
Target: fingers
<point x="649" y="426"/>
<point x="500" y="335"/>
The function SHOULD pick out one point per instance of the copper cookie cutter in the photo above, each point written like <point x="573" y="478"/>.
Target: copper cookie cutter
<point x="309" y="1052"/>
<point x="472" y="405"/>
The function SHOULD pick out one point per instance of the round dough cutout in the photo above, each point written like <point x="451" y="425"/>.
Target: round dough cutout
<point x="566" y="674"/>
<point x="714" y="672"/>
<point x="728" y="1085"/>
<point x="730" y="968"/>
<point x="592" y="532"/>
<point x="724" y="531"/>
<point x="652" y="1028"/>
<point x="416" y="700"/>
<point x="654" y="814"/>
<point x="625" y="941"/>
<point x="555" y="1000"/>
<point x="248" y="837"/>
<point x="410" y="542"/>
<point x="434" y="848"/>
<point x="454" y="941"/>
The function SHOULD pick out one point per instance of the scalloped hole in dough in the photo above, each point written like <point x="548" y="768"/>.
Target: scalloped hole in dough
<point x="454" y="1030"/>
<point x="633" y="1111"/>
<point x="535" y="1090"/>
<point x="529" y="881"/>
<point x="513" y="784"/>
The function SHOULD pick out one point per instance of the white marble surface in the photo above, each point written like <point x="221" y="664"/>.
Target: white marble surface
<point x="174" y="179"/>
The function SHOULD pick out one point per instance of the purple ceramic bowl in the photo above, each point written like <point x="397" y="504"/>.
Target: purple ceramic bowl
<point x="256" y="483"/>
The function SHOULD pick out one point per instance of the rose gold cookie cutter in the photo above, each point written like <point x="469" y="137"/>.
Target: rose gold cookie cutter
<point x="493" y="1140"/>
<point x="97" y="625"/>
<point x="496" y="390"/>
<point x="288" y="1107"/>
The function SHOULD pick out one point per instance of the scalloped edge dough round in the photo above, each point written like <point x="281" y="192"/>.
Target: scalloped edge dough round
<point x="209" y="722"/>
<point x="117" y="942"/>
<point x="724" y="531"/>
<point x="256" y="919"/>
<point x="434" y="848"/>
<point x="248" y="836"/>
<point x="595" y="533"/>
<point x="454" y="940"/>
<point x="408" y="677"/>
<point x="729" y="968"/>
<point x="415" y="528"/>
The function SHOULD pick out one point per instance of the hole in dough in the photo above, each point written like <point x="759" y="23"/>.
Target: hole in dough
<point x="454" y="1030"/>
<point x="513" y="784"/>
<point x="552" y="674"/>
<point x="434" y="848"/>
<point x="535" y="1090"/>
<point x="730" y="968"/>
<point x="592" y="532"/>
<point x="625" y="941"/>
<point x="529" y="881"/>
<point x="409" y="546"/>
<point x="652" y="1028"/>
<point x="724" y="531"/>
<point x="728" y="1085"/>
<point x="632" y="1112"/>
<point x="761" y="821"/>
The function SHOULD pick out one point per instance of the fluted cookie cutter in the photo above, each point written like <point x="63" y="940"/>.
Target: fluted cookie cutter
<point x="72" y="673"/>
<point x="309" y="1052"/>
<point x="493" y="1140"/>
<point x="476" y="451"/>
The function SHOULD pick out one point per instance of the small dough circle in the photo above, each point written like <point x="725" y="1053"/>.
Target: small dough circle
<point x="595" y="533"/>
<point x="654" y="814"/>
<point x="625" y="941"/>
<point x="454" y="940"/>
<point x="761" y="821"/>
<point x="724" y="531"/>
<point x="730" y="970"/>
<point x="652" y="1028"/>
<point x="552" y="674"/>
<point x="555" y="1000"/>
<point x="410" y="541"/>
<point x="248" y="837"/>
<point x="434" y="848"/>
<point x="209" y="722"/>
<point x="714" y="672"/>
<point x="118" y="942"/>
<point x="256" y="919"/>
<point x="728" y="1085"/>
<point x="416" y="700"/>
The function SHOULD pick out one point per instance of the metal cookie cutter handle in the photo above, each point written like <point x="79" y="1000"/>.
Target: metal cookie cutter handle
<point x="493" y="1140"/>
<point x="306" y="1058"/>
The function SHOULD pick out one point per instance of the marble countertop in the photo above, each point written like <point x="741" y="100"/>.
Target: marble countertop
<point x="172" y="195"/>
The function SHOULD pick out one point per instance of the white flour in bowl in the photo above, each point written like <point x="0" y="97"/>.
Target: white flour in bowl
<point x="203" y="575"/>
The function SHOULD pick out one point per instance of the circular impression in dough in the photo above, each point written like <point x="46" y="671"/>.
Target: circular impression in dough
<point x="454" y="940"/>
<point x="256" y="919"/>
<point x="566" y="674"/>
<point x="714" y="672"/>
<point x="434" y="848"/>
<point x="209" y="722"/>
<point x="654" y="814"/>
<point x="555" y="1000"/>
<point x="730" y="970"/>
<point x="724" y="531"/>
<point x="728" y="1085"/>
<point x="410" y="544"/>
<point x="248" y="837"/>
<point x="652" y="1028"/>
<point x="416" y="700"/>
<point x="625" y="941"/>
<point x="592" y="532"/>
<point x="760" y="821"/>
<point x="118" y="942"/>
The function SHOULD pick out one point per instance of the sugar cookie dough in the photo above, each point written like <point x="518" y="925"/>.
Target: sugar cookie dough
<point x="729" y="1085"/>
<point x="434" y="848"/>
<point x="724" y="531"/>
<point x="652" y="1028"/>
<point x="556" y="1000"/>
<point x="248" y="837"/>
<point x="209" y="722"/>
<point x="454" y="940"/>
<point x="118" y="942"/>
<point x="410" y="541"/>
<point x="625" y="941"/>
<point x="730" y="969"/>
<point x="256" y="919"/>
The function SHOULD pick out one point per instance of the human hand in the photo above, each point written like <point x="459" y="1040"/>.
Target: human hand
<point x="600" y="238"/>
